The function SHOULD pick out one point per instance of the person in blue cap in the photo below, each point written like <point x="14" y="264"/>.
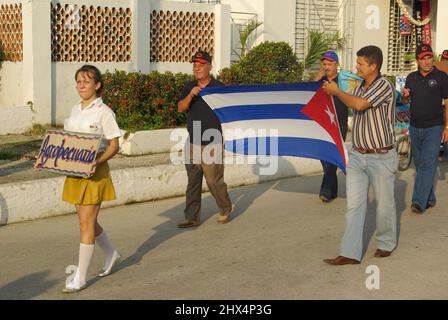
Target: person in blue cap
<point x="329" y="71"/>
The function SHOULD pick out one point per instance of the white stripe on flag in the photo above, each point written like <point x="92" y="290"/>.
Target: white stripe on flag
<point x="285" y="128"/>
<point x="216" y="101"/>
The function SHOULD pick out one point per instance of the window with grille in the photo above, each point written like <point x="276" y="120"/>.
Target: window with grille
<point x="401" y="47"/>
<point x="321" y="15"/>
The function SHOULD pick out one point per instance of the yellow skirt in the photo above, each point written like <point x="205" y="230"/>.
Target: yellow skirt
<point x="94" y="190"/>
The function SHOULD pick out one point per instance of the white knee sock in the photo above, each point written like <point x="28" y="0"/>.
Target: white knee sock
<point x="103" y="241"/>
<point x="85" y="255"/>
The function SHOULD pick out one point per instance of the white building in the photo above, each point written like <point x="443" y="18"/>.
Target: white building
<point x="47" y="40"/>
<point x="360" y="22"/>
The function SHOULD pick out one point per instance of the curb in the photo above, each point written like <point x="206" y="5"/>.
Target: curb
<point x="41" y="198"/>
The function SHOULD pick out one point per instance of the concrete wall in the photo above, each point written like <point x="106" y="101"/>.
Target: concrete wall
<point x="42" y="198"/>
<point x="371" y="27"/>
<point x="278" y="19"/>
<point x="441" y="38"/>
<point x="221" y="58"/>
<point x="15" y="119"/>
<point x="64" y="94"/>
<point x="11" y="90"/>
<point x="15" y="115"/>
<point x="50" y="85"/>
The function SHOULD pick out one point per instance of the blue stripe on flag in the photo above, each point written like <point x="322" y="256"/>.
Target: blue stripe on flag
<point x="287" y="146"/>
<point x="302" y="86"/>
<point x="257" y="112"/>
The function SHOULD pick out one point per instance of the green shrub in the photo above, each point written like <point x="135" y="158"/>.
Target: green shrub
<point x="392" y="79"/>
<point x="145" y="101"/>
<point x="269" y="62"/>
<point x="318" y="43"/>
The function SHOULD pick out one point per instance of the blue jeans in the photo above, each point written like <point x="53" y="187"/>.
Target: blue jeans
<point x="363" y="170"/>
<point x="425" y="146"/>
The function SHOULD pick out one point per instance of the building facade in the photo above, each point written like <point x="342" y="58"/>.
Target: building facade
<point x="46" y="41"/>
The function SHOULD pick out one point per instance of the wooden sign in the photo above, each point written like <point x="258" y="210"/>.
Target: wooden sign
<point x="68" y="153"/>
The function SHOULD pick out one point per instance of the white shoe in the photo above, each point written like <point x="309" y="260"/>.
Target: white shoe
<point x="116" y="259"/>
<point x="71" y="287"/>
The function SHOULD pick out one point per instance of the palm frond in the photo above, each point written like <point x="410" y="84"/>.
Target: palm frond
<point x="318" y="43"/>
<point x="245" y="33"/>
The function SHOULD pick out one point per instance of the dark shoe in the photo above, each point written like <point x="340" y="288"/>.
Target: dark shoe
<point x="188" y="224"/>
<point x="341" y="260"/>
<point x="324" y="198"/>
<point x="430" y="205"/>
<point x="416" y="208"/>
<point x="382" y="253"/>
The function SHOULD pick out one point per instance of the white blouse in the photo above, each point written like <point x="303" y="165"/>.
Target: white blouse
<point x="96" y="118"/>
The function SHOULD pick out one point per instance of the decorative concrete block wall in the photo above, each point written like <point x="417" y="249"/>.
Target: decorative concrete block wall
<point x="46" y="41"/>
<point x="81" y="33"/>
<point x="11" y="35"/>
<point x="176" y="35"/>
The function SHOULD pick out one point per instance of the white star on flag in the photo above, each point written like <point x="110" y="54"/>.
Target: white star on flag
<point x="331" y="115"/>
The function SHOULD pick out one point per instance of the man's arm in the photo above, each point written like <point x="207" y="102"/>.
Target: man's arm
<point x="445" y="99"/>
<point x="406" y="92"/>
<point x="184" y="104"/>
<point x="445" y="131"/>
<point x="351" y="101"/>
<point x="405" y="95"/>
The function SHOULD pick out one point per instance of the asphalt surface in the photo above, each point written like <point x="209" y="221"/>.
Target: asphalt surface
<point x="271" y="249"/>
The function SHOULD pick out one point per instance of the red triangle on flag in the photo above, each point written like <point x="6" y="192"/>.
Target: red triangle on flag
<point x="321" y="109"/>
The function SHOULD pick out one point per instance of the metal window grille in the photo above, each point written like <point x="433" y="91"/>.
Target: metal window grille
<point x="399" y="45"/>
<point x="319" y="15"/>
<point x="239" y="22"/>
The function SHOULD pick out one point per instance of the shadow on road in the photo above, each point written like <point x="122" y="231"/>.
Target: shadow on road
<point x="27" y="287"/>
<point x="242" y="199"/>
<point x="311" y="185"/>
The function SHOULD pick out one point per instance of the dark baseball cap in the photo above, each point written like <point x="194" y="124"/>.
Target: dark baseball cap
<point x="201" y="57"/>
<point x="423" y="51"/>
<point x="445" y="54"/>
<point x="331" y="56"/>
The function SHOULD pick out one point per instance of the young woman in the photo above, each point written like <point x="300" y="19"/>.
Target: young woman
<point x="91" y="115"/>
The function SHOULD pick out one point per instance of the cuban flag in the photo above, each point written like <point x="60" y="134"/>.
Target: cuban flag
<point x="302" y="114"/>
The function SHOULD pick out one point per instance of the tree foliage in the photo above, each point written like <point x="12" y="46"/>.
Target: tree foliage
<point x="269" y="62"/>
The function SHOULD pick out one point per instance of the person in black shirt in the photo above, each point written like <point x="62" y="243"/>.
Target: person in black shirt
<point x="202" y="123"/>
<point x="329" y="71"/>
<point x="427" y="89"/>
<point x="444" y="64"/>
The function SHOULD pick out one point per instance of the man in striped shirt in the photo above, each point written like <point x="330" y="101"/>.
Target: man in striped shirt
<point x="372" y="159"/>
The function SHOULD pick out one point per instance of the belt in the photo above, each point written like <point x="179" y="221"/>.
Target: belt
<point x="378" y="150"/>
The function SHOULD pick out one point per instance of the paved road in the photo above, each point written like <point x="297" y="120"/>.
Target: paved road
<point x="272" y="249"/>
